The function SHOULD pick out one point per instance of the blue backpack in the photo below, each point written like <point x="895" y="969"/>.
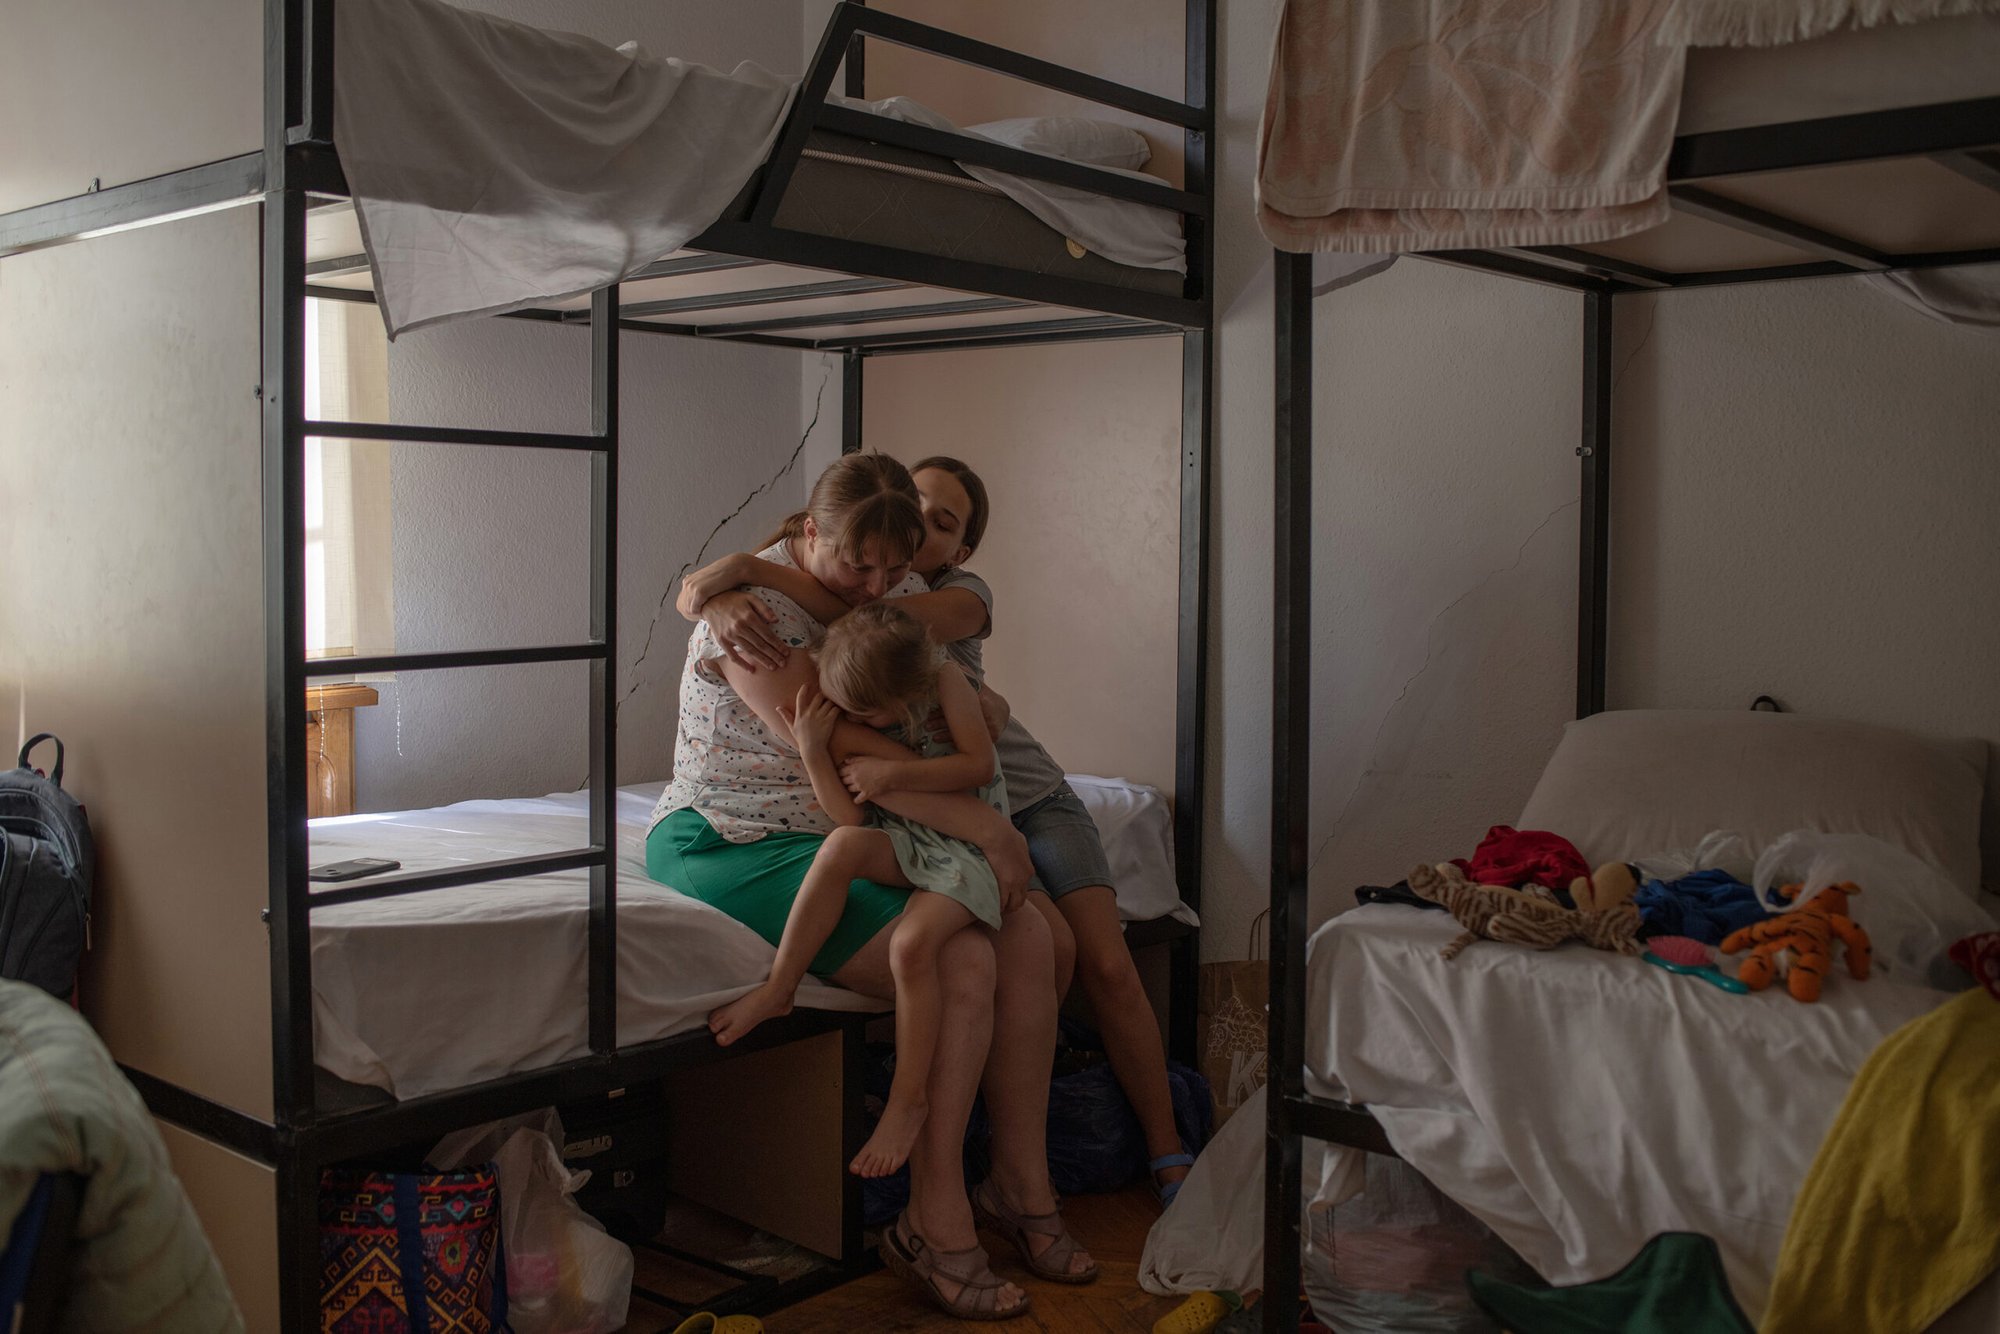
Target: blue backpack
<point x="46" y="863"/>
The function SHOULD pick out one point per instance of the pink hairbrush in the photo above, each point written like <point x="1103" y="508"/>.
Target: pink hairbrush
<point x="1684" y="954"/>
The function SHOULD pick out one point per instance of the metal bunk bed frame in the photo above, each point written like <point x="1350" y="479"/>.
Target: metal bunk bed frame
<point x="315" y="1122"/>
<point x="1963" y="136"/>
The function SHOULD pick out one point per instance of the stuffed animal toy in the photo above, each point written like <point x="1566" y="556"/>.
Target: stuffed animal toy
<point x="1605" y="888"/>
<point x="1494" y="913"/>
<point x="1798" y="945"/>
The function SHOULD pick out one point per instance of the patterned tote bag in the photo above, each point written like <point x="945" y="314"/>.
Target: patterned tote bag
<point x="384" y="1236"/>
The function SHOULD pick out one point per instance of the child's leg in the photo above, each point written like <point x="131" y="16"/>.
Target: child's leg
<point x="849" y="853"/>
<point x="920" y="933"/>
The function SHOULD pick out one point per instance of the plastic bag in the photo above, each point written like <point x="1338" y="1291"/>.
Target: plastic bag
<point x="1722" y="850"/>
<point x="1910" y="911"/>
<point x="1393" y="1259"/>
<point x="565" y="1275"/>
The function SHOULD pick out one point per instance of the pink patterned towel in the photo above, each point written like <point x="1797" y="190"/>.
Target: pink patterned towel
<point x="1396" y="125"/>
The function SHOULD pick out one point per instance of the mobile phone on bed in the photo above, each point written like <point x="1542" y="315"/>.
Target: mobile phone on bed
<point x="352" y="870"/>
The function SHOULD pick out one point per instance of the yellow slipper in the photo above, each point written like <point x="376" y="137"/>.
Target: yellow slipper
<point x="701" y="1322"/>
<point x="1198" y="1314"/>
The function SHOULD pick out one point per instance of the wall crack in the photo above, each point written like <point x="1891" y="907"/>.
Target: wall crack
<point x="701" y="554"/>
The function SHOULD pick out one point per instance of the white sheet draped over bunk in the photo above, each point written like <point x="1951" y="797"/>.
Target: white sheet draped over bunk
<point x="496" y="166"/>
<point x="1121" y="230"/>
<point x="1445" y="124"/>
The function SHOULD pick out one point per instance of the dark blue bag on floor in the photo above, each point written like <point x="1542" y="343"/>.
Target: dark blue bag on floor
<point x="1095" y="1141"/>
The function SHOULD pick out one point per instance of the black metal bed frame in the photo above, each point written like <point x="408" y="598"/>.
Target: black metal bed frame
<point x="1963" y="136"/>
<point x="316" y="1122"/>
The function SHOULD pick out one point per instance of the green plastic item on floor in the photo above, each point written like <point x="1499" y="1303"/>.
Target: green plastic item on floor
<point x="1675" y="1285"/>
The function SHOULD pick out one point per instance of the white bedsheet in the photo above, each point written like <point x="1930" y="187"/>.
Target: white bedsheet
<point x="496" y="166"/>
<point x="431" y="991"/>
<point x="1580" y="1103"/>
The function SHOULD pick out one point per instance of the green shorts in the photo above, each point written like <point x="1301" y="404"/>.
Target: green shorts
<point x="756" y="882"/>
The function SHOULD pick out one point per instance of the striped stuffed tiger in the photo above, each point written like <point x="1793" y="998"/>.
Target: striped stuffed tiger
<point x="1493" y="912"/>
<point x="1798" y="945"/>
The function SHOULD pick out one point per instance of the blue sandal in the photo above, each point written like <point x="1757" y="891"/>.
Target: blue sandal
<point x="1165" y="1193"/>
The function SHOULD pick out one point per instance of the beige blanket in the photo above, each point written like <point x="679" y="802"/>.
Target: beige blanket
<point x="1396" y="125"/>
<point x="1775" y="22"/>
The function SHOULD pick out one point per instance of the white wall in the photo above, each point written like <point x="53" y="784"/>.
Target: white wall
<point x="1806" y="484"/>
<point x="492" y="547"/>
<point x="117" y="90"/>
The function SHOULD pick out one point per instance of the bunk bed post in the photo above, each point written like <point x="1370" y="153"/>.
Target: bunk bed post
<point x="1594" y="524"/>
<point x="853" y="367"/>
<point x="1191" y="706"/>
<point x="283" y="391"/>
<point x="1199" y="93"/>
<point x="603" y="942"/>
<point x="854" y="72"/>
<point x="1291" y="779"/>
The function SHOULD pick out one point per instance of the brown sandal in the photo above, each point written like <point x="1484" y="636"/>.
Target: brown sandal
<point x="1052" y="1263"/>
<point x="909" y="1256"/>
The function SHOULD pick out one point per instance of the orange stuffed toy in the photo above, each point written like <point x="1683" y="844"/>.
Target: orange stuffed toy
<point x="1799" y="945"/>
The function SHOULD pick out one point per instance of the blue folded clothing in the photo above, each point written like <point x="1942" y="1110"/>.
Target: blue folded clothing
<point x="1705" y="906"/>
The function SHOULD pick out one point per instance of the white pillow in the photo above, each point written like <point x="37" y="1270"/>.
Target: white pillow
<point x="1137" y="829"/>
<point x="1627" y="784"/>
<point x="1097" y="142"/>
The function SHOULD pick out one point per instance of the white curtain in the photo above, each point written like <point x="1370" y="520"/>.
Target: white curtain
<point x="350" y="598"/>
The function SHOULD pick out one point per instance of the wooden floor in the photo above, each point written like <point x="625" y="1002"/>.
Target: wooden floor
<point x="1112" y="1227"/>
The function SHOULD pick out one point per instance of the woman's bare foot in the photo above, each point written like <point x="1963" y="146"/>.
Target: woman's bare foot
<point x="733" y="1022"/>
<point x="895" y="1135"/>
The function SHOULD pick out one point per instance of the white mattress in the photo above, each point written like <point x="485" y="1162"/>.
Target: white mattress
<point x="432" y="991"/>
<point x="1580" y="1103"/>
<point x="1896" y="65"/>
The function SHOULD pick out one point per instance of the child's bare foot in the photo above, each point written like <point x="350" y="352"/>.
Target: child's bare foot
<point x="895" y="1135"/>
<point x="733" y="1022"/>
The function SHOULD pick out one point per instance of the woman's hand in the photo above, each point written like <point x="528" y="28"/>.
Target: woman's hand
<point x="1008" y="856"/>
<point x="718" y="576"/>
<point x="868" y="777"/>
<point x="812" y="718"/>
<point x="741" y="622"/>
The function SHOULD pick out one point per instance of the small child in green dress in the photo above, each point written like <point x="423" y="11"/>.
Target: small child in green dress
<point x="879" y="667"/>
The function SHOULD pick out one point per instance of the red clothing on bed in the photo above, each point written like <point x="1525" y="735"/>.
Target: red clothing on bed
<point x="1980" y="956"/>
<point x="1516" y="857"/>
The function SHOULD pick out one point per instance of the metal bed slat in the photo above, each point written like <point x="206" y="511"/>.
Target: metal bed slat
<point x="589" y="651"/>
<point x="1712" y="207"/>
<point x="452" y="435"/>
<point x="453" y="877"/>
<point x="180" y="194"/>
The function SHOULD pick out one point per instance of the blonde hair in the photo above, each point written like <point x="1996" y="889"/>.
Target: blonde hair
<point x="859" y="499"/>
<point x="880" y="658"/>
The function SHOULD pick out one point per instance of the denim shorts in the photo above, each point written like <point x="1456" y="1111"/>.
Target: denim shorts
<point x="1063" y="843"/>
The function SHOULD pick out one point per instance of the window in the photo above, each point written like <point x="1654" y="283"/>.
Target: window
<point x="350" y="602"/>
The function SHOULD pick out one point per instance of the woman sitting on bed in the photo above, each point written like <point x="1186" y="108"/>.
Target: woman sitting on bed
<point x="739" y="826"/>
<point x="1073" y="886"/>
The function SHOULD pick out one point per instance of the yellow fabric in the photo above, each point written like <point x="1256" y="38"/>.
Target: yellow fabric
<point x="703" y="1323"/>
<point x="1900" y="1215"/>
<point x="1197" y="1315"/>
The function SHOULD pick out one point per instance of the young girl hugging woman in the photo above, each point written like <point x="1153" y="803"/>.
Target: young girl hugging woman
<point x="879" y="667"/>
<point x="1072" y="890"/>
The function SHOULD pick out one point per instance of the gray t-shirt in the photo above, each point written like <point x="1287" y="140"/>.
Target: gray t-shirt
<point x="1031" y="772"/>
